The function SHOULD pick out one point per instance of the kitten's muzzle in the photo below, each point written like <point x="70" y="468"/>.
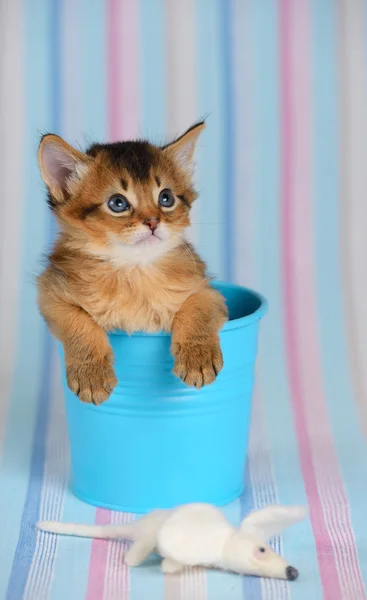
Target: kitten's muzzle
<point x="152" y="223"/>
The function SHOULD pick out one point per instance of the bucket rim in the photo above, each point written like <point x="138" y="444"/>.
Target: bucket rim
<point x="229" y="325"/>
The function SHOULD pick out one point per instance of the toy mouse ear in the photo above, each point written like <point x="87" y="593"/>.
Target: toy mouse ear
<point x="272" y="520"/>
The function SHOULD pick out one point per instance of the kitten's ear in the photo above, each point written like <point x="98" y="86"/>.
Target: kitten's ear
<point x="182" y="149"/>
<point x="60" y="166"/>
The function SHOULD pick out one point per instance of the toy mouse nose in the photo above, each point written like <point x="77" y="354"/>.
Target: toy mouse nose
<point x="291" y="573"/>
<point x="152" y="223"/>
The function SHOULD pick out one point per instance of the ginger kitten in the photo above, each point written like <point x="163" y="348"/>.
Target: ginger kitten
<point x="121" y="260"/>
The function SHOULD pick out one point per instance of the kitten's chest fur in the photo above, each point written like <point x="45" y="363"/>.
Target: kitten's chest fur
<point x="138" y="298"/>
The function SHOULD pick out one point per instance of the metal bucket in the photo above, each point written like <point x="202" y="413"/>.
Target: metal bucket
<point x="157" y="443"/>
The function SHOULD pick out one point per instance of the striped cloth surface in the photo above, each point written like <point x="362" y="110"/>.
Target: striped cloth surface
<point x="282" y="171"/>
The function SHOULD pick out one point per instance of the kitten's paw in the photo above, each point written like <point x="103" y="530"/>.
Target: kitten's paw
<point x="92" y="382"/>
<point x="198" y="364"/>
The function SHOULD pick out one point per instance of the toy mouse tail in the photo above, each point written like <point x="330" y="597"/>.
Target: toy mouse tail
<point x="90" y="531"/>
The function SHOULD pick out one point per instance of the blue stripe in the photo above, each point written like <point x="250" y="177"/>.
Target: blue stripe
<point x="274" y="388"/>
<point x="251" y="585"/>
<point x="152" y="67"/>
<point x="24" y="399"/>
<point x="69" y="100"/>
<point x="210" y="170"/>
<point x="55" y="80"/>
<point x="219" y="583"/>
<point x="350" y="443"/>
<point x="228" y="188"/>
<point x="152" y="126"/>
<point x="27" y="536"/>
<point x="71" y="570"/>
<point x="55" y="64"/>
<point x="93" y="67"/>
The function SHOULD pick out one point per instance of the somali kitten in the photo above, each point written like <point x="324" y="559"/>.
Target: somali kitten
<point x="121" y="260"/>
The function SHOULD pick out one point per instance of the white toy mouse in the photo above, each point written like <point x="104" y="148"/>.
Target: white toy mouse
<point x="199" y="534"/>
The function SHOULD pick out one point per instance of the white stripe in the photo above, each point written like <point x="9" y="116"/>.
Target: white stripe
<point x="181" y="61"/>
<point x="245" y="148"/>
<point x="56" y="468"/>
<point x="264" y="492"/>
<point x="56" y="471"/>
<point x="343" y="541"/>
<point x="193" y="584"/>
<point x="353" y="17"/>
<point x="182" y="111"/>
<point x="342" y="537"/>
<point x="332" y="496"/>
<point x="12" y="99"/>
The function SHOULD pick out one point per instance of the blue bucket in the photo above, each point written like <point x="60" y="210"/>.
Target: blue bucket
<point x="157" y="443"/>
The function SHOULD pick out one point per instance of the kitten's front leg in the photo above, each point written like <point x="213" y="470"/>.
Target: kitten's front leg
<point x="88" y="355"/>
<point x="195" y="340"/>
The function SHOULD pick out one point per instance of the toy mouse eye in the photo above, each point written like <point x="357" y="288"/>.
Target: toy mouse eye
<point x="118" y="203"/>
<point x="166" y="199"/>
<point x="261" y="553"/>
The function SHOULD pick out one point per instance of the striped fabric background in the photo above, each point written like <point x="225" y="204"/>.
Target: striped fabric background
<point x="282" y="171"/>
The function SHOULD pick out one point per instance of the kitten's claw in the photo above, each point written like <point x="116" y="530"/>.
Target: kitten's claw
<point x="92" y="382"/>
<point x="198" y="364"/>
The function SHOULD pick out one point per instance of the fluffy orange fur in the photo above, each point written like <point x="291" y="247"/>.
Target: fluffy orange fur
<point x="125" y="263"/>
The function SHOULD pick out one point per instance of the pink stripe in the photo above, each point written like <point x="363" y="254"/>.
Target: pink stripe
<point x="338" y="563"/>
<point x="117" y="576"/>
<point x="98" y="560"/>
<point x="172" y="587"/>
<point x="123" y="69"/>
<point x="123" y="106"/>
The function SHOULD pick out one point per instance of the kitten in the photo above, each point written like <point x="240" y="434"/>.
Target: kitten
<point x="121" y="260"/>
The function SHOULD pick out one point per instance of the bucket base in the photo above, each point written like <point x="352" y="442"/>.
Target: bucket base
<point x="142" y="511"/>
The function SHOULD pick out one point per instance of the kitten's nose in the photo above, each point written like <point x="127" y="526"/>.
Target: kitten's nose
<point x="152" y="223"/>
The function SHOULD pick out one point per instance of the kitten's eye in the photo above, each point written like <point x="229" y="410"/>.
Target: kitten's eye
<point x="166" y="199"/>
<point x="262" y="549"/>
<point x="118" y="203"/>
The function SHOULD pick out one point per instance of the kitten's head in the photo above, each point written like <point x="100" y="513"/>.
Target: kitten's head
<point x="127" y="201"/>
